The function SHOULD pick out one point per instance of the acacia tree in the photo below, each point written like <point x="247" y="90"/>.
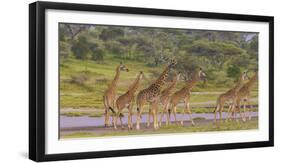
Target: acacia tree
<point x="73" y="29"/>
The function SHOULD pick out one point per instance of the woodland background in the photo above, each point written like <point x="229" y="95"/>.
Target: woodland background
<point x="89" y="55"/>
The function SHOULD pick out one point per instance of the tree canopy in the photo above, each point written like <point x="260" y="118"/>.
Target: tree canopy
<point x="221" y="52"/>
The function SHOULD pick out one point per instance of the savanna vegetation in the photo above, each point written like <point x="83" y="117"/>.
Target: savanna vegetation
<point x="89" y="55"/>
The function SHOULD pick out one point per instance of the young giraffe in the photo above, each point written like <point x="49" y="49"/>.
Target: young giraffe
<point x="126" y="100"/>
<point x="109" y="96"/>
<point x="151" y="95"/>
<point x="165" y="96"/>
<point x="184" y="94"/>
<point x="244" y="94"/>
<point x="230" y="95"/>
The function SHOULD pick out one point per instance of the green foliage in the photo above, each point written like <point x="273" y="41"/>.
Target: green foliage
<point x="213" y="49"/>
<point x="97" y="54"/>
<point x="187" y="64"/>
<point x="80" y="48"/>
<point x="87" y="48"/>
<point x="233" y="71"/>
<point x="111" y="33"/>
<point x="114" y="47"/>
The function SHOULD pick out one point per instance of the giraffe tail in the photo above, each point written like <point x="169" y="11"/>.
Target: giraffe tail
<point x="169" y="112"/>
<point x="138" y="110"/>
<point x="114" y="112"/>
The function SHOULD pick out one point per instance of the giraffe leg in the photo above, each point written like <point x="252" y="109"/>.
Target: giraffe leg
<point x="249" y="110"/>
<point x="229" y="111"/>
<point x="121" y="122"/>
<point x="167" y="114"/>
<point x="183" y="112"/>
<point x="190" y="114"/>
<point x="175" y="113"/>
<point x="139" y="111"/>
<point x="244" y="108"/>
<point x="155" y="115"/>
<point x="234" y="111"/>
<point x="106" y="109"/>
<point x="130" y="117"/>
<point x="242" y="114"/>
<point x="116" y="119"/>
<point x="165" y="111"/>
<point x="220" y="111"/>
<point x="215" y="113"/>
<point x="112" y="120"/>
<point x="106" y="117"/>
<point x="148" y="116"/>
<point x="161" y="116"/>
<point x="238" y="109"/>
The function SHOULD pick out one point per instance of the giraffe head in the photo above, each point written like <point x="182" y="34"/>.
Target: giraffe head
<point x="198" y="74"/>
<point x="178" y="77"/>
<point x="140" y="75"/>
<point x="172" y="64"/>
<point x="122" y="67"/>
<point x="243" y="76"/>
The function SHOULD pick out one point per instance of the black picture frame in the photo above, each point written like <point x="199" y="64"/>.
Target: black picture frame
<point x="37" y="80"/>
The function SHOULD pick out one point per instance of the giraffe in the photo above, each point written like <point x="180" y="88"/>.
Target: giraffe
<point x="165" y="97"/>
<point x="243" y="95"/>
<point x="126" y="100"/>
<point x="151" y="95"/>
<point x="109" y="96"/>
<point x="229" y="95"/>
<point x="184" y="94"/>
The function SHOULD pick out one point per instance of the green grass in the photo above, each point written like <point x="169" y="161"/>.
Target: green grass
<point x="78" y="114"/>
<point x="207" y="127"/>
<point x="73" y="114"/>
<point x="79" y="135"/>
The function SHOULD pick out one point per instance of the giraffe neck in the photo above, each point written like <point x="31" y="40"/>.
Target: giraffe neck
<point x="192" y="82"/>
<point x="162" y="78"/>
<point x="171" y="87"/>
<point x="238" y="85"/>
<point x="134" y="86"/>
<point x="251" y="82"/>
<point x="116" y="78"/>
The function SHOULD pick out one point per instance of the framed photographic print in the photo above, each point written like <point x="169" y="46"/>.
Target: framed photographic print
<point x="109" y="81"/>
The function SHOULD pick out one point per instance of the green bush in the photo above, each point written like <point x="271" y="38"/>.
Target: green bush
<point x="80" y="78"/>
<point x="233" y="71"/>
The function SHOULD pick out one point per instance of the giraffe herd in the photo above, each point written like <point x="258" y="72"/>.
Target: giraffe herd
<point x="154" y="95"/>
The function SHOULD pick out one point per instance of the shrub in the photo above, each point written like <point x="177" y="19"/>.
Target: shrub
<point x="80" y="78"/>
<point x="97" y="54"/>
<point x="233" y="71"/>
